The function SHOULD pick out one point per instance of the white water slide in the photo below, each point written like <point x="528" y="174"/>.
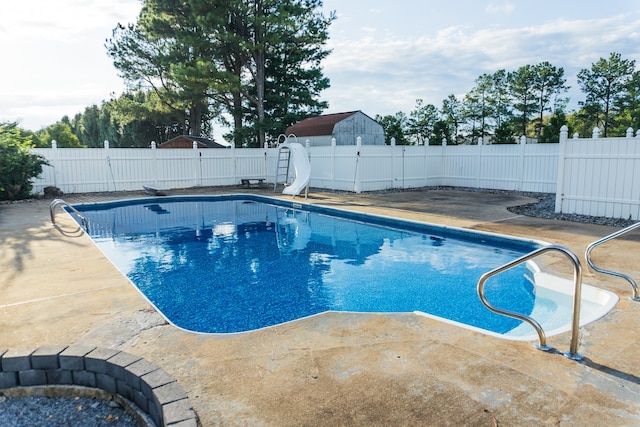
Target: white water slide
<point x="301" y="167"/>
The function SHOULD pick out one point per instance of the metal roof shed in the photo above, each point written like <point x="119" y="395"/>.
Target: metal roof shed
<point x="344" y="127"/>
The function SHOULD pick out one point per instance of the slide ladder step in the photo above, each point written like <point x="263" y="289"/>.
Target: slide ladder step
<point x="282" y="167"/>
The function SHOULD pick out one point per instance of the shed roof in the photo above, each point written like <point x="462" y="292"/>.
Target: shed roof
<point x="318" y="126"/>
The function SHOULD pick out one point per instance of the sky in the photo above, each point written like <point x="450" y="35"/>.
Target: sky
<point x="385" y="54"/>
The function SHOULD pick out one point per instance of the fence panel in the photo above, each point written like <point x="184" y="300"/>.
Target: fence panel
<point x="434" y="165"/>
<point x="540" y="169"/>
<point x="346" y="168"/>
<point x="500" y="166"/>
<point x="599" y="177"/>
<point x="174" y="168"/>
<point x="323" y="166"/>
<point x="376" y="167"/>
<point x="75" y="170"/>
<point x="129" y="168"/>
<point x="410" y="171"/>
<point x="244" y="163"/>
<point x="592" y="176"/>
<point x="461" y="165"/>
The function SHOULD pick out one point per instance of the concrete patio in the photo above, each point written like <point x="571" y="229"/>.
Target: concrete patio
<point x="56" y="288"/>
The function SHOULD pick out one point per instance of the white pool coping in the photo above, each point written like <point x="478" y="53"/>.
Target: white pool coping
<point x="551" y="287"/>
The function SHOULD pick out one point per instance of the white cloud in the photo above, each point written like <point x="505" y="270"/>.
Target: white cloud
<point x="385" y="75"/>
<point x="58" y="62"/>
<point x="505" y="8"/>
<point x="63" y="20"/>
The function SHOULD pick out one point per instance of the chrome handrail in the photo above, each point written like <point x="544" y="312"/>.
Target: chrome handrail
<point x="577" y="294"/>
<point x="59" y="202"/>
<point x="587" y="255"/>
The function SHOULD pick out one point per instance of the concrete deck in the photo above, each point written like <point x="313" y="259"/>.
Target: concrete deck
<point x="56" y="288"/>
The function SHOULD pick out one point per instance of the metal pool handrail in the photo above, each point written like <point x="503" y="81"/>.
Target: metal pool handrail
<point x="587" y="255"/>
<point x="59" y="202"/>
<point x="577" y="281"/>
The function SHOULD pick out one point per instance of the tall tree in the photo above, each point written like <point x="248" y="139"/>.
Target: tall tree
<point x="166" y="51"/>
<point x="521" y="86"/>
<point x="605" y="83"/>
<point x="89" y="127"/>
<point x="549" y="83"/>
<point x="487" y="105"/>
<point x="141" y="117"/>
<point x="499" y="101"/>
<point x="61" y="133"/>
<point x="480" y="100"/>
<point x="472" y="113"/>
<point x="582" y="121"/>
<point x="442" y="132"/>
<point x="422" y="121"/>
<point x="268" y="54"/>
<point x="452" y="113"/>
<point x="551" y="132"/>
<point x="628" y="106"/>
<point x="394" y="127"/>
<point x="294" y="80"/>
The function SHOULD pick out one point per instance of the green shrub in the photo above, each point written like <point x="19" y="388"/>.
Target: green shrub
<point x="18" y="166"/>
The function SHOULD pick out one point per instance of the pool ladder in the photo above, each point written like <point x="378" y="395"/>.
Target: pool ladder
<point x="577" y="294"/>
<point x="587" y="255"/>
<point x="59" y="202"/>
<point x="283" y="162"/>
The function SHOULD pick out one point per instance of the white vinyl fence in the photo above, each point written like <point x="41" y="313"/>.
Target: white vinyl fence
<point x="591" y="176"/>
<point x="599" y="177"/>
<point x="357" y="168"/>
<point x="86" y="170"/>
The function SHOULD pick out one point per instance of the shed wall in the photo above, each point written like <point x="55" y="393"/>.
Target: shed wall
<point x="358" y="125"/>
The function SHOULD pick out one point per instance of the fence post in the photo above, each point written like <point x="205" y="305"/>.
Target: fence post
<point x="523" y="144"/>
<point x="154" y="159"/>
<point x="265" y="147"/>
<point x="105" y="144"/>
<point x="333" y="164"/>
<point x="630" y="132"/>
<point x="233" y="163"/>
<point x="479" y="157"/>
<point x="425" y="169"/>
<point x="356" y="183"/>
<point x="564" y="136"/>
<point x="53" y="161"/>
<point x="393" y="163"/>
<point x="307" y="146"/>
<point x="196" y="169"/>
<point x="595" y="134"/>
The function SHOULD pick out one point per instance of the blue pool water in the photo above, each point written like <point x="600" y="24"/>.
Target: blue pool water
<point x="238" y="263"/>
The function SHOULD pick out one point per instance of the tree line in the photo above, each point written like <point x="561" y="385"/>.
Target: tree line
<point x="530" y="102"/>
<point x="500" y="107"/>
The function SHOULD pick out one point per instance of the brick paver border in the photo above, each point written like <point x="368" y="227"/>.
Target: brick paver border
<point x="151" y="388"/>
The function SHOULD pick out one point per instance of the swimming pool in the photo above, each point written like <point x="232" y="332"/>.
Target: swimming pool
<point x="235" y="263"/>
